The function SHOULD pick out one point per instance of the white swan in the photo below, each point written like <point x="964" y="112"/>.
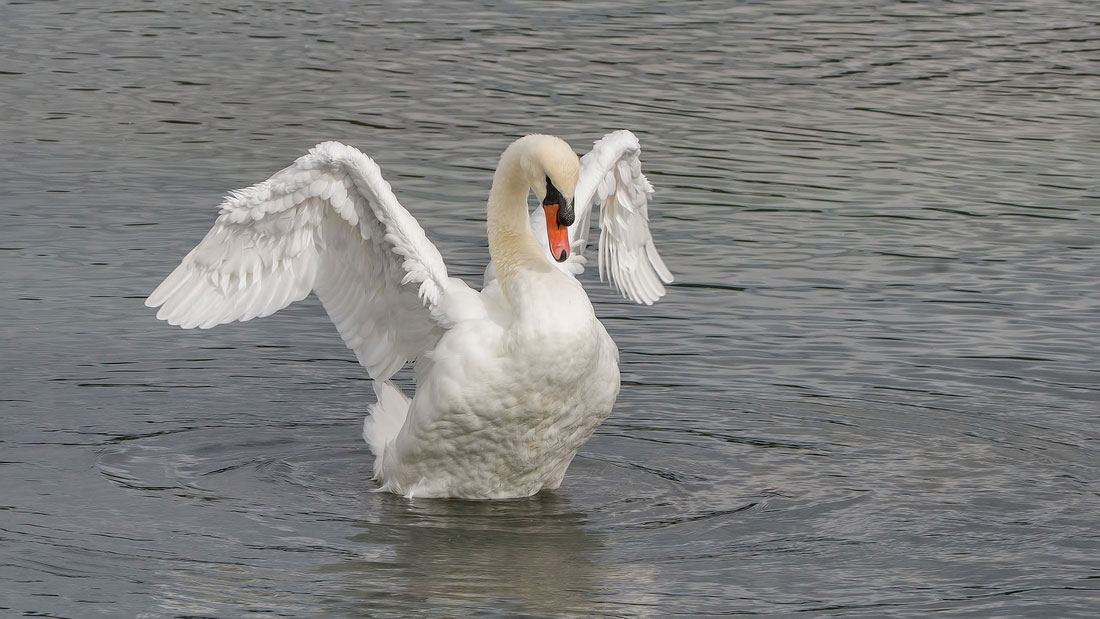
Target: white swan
<point x="512" y="380"/>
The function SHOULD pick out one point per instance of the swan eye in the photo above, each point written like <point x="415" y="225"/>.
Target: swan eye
<point x="565" y="207"/>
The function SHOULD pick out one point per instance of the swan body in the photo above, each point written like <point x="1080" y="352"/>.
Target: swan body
<point x="510" y="380"/>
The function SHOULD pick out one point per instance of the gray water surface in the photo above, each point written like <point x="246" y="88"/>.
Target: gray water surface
<point x="873" y="391"/>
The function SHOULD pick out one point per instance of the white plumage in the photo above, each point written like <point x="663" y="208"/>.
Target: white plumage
<point x="512" y="380"/>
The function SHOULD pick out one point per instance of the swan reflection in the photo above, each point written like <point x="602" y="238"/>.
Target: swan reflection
<point x="532" y="555"/>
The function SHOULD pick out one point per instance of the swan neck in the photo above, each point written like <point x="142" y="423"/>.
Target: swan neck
<point x="511" y="243"/>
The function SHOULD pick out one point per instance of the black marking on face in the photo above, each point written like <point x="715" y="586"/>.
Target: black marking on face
<point x="565" y="208"/>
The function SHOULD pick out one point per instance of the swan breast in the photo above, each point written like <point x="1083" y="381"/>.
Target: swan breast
<point x="503" y="413"/>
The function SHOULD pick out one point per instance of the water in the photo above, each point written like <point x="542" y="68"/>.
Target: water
<point x="873" y="390"/>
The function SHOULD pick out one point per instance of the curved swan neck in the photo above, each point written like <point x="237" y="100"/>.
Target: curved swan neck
<point x="511" y="243"/>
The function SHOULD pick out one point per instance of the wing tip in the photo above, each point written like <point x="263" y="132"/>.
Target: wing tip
<point x="658" y="264"/>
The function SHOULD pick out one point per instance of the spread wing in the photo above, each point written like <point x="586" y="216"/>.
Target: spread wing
<point x="328" y="223"/>
<point x="611" y="176"/>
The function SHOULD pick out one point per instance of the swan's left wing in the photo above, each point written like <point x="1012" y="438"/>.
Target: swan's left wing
<point x="611" y="175"/>
<point x="329" y="224"/>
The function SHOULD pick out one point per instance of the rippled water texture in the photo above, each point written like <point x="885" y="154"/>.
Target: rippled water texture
<point x="872" y="391"/>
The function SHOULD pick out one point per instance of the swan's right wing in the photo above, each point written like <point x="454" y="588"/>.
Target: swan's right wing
<point x="611" y="175"/>
<point x="328" y="223"/>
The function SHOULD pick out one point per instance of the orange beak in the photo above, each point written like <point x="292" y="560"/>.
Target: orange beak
<point x="558" y="235"/>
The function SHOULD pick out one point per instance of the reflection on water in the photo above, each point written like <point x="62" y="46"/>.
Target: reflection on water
<point x="872" y="390"/>
<point x="532" y="555"/>
<point x="527" y="556"/>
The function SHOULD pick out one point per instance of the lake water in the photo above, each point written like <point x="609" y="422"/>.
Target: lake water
<point x="874" y="389"/>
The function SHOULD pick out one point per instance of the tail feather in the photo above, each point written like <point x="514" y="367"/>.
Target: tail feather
<point x="385" y="420"/>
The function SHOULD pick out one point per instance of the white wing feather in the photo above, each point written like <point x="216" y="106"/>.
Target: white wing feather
<point x="328" y="223"/>
<point x="611" y="174"/>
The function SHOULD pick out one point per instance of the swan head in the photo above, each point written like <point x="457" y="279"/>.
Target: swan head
<point x="551" y="168"/>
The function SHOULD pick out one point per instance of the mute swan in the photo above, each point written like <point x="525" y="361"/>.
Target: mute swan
<point x="511" y="380"/>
